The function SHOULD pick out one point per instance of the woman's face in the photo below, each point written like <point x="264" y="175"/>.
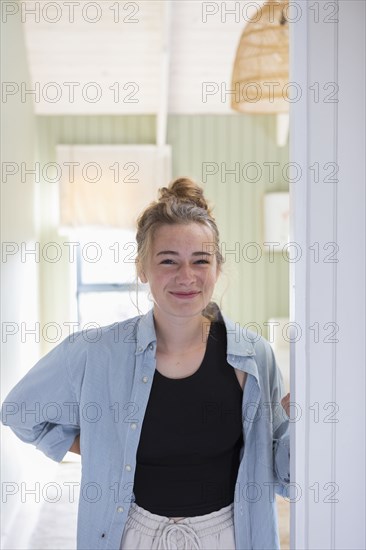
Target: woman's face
<point x="181" y="269"/>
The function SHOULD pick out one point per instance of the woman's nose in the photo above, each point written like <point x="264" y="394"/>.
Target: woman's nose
<point x="185" y="273"/>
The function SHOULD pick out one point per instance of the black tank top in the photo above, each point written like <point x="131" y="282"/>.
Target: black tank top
<point x="188" y="453"/>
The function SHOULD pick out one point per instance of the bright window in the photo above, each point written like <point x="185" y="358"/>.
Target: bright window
<point x="107" y="285"/>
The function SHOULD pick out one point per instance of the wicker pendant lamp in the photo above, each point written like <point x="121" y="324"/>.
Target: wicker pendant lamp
<point x="261" y="70"/>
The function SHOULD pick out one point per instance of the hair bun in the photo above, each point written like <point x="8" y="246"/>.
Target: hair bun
<point x="185" y="190"/>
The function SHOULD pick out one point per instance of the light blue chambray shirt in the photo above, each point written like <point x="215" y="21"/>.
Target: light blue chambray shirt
<point x="97" y="383"/>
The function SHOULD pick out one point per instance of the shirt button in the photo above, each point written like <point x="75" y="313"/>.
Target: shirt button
<point x="133" y="426"/>
<point x="145" y="379"/>
<point x="250" y="351"/>
<point x="140" y="348"/>
<point x="120" y="509"/>
<point x="128" y="467"/>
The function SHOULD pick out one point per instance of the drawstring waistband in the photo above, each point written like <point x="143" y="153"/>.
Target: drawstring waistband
<point x="189" y="536"/>
<point x="185" y="533"/>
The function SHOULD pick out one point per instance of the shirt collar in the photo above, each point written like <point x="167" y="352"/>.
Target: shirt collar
<point x="238" y="339"/>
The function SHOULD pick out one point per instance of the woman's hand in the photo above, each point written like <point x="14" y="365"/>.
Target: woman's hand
<point x="285" y="402"/>
<point x="75" y="447"/>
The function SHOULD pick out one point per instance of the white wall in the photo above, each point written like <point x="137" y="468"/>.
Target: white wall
<point x="19" y="282"/>
<point x="328" y="458"/>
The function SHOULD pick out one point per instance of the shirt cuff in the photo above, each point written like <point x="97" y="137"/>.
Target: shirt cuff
<point x="57" y="441"/>
<point x="282" y="458"/>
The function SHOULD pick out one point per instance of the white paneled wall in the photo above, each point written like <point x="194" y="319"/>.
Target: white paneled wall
<point x="328" y="284"/>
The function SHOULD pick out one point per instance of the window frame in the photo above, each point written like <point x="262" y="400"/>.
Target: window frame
<point x="84" y="288"/>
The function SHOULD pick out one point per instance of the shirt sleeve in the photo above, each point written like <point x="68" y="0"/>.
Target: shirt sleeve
<point x="281" y="429"/>
<point x="42" y="408"/>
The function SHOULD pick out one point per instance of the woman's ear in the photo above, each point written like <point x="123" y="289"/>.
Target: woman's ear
<point x="141" y="273"/>
<point x="218" y="272"/>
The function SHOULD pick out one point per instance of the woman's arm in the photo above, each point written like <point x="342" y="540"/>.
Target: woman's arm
<point x="285" y="402"/>
<point x="280" y="422"/>
<point x="43" y="409"/>
<point x="75" y="447"/>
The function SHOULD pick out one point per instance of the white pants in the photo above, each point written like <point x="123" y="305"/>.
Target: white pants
<point x="146" y="531"/>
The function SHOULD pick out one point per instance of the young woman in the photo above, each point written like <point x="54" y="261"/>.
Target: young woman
<point x="178" y="414"/>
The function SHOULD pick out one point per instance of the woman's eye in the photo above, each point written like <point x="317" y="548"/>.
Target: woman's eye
<point x="170" y="262"/>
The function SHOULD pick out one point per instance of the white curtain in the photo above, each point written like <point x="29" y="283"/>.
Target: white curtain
<point x="109" y="185"/>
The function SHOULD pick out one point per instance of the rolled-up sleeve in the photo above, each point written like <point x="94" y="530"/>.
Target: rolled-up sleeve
<point x="42" y="408"/>
<point x="281" y="428"/>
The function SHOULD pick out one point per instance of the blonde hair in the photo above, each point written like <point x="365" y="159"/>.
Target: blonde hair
<point x="182" y="202"/>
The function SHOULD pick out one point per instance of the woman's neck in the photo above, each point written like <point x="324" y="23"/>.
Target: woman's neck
<point x="178" y="335"/>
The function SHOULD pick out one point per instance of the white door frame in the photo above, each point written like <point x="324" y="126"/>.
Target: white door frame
<point x="327" y="283"/>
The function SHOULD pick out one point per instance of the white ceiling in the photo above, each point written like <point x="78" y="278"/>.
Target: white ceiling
<point x="130" y="52"/>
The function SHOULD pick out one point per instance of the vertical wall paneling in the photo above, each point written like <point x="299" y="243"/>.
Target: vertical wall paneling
<point x="328" y="290"/>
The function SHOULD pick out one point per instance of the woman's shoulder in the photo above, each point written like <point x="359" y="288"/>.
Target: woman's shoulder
<point x="244" y="341"/>
<point x="240" y="335"/>
<point x="93" y="337"/>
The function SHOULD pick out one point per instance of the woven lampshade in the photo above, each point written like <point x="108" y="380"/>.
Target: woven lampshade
<point x="261" y="70"/>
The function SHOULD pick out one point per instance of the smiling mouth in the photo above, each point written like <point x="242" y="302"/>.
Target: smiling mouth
<point x="184" y="294"/>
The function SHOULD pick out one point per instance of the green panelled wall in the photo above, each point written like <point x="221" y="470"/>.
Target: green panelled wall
<point x="258" y="290"/>
<point x="250" y="291"/>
